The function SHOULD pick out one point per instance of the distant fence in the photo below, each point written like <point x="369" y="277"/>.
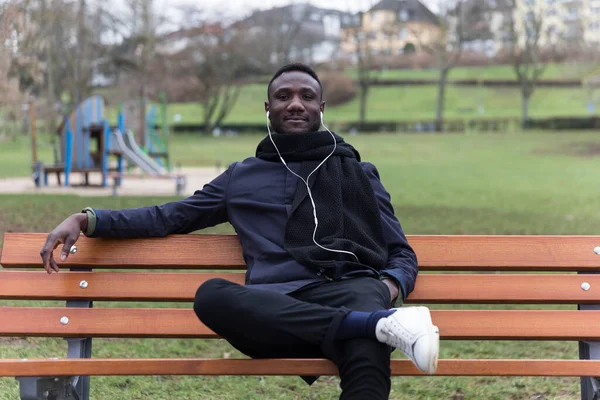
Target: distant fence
<point x="557" y="83"/>
<point x="564" y="123"/>
<point x="422" y="126"/>
<point x="477" y="82"/>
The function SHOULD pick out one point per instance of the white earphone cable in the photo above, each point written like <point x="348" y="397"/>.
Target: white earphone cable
<point x="308" y="187"/>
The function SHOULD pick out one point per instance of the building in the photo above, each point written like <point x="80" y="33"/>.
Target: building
<point x="392" y="27"/>
<point x="571" y="22"/>
<point x="297" y="32"/>
<point x="592" y="34"/>
<point x="177" y="41"/>
<point x="486" y="24"/>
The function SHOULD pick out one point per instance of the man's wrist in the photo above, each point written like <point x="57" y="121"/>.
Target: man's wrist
<point x="393" y="286"/>
<point x="82" y="220"/>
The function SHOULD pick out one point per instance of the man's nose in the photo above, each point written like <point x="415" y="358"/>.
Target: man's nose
<point x="296" y="104"/>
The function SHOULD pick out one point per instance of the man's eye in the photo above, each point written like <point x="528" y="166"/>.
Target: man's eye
<point x="309" y="97"/>
<point x="282" y="97"/>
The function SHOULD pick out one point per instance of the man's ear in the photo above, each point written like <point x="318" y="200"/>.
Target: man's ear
<point x="267" y="107"/>
<point x="322" y="107"/>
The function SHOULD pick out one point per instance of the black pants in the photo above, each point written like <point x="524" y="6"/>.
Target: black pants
<point x="264" y="324"/>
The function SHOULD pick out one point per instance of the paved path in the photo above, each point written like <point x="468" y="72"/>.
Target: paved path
<point x="146" y="185"/>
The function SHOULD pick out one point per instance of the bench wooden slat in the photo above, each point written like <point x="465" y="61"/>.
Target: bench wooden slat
<point x="182" y="323"/>
<point x="430" y="288"/>
<point x="506" y="289"/>
<point x="115" y="286"/>
<point x="559" y="253"/>
<point x="22" y="250"/>
<point x="294" y="367"/>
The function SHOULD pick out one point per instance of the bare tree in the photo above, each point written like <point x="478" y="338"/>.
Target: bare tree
<point x="365" y="65"/>
<point x="460" y="21"/>
<point x="279" y="35"/>
<point x="525" y="50"/>
<point x="207" y="70"/>
<point x="11" y="30"/>
<point x="63" y="42"/>
<point x="217" y="73"/>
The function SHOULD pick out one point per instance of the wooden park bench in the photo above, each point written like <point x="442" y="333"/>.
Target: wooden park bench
<point x="569" y="264"/>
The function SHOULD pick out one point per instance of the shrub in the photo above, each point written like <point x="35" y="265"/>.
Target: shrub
<point x="337" y="88"/>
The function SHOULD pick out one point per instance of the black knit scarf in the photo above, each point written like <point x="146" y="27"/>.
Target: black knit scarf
<point x="347" y="210"/>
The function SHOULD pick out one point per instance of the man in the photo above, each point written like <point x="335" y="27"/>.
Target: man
<point x="326" y="256"/>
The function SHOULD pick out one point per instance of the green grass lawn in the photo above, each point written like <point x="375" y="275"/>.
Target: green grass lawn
<point x="521" y="183"/>
<point x="491" y="72"/>
<point x="402" y="103"/>
<point x="399" y="103"/>
<point x="16" y="156"/>
<point x="478" y="183"/>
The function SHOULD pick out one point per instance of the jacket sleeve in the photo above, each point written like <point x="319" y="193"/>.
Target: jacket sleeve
<point x="402" y="264"/>
<point x="205" y="208"/>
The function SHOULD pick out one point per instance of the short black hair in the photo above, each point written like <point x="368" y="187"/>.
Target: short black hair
<point x="296" y="66"/>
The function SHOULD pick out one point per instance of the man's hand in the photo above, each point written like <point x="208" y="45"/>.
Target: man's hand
<point x="393" y="286"/>
<point x="68" y="233"/>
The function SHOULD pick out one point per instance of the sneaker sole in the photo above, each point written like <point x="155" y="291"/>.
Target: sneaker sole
<point x="434" y="346"/>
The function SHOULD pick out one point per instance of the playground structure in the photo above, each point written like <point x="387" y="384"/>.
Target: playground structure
<point x="157" y="142"/>
<point x="150" y="128"/>
<point x="88" y="144"/>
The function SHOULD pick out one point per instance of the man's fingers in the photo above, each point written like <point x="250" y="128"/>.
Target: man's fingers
<point x="46" y="252"/>
<point x="53" y="265"/>
<point x="64" y="254"/>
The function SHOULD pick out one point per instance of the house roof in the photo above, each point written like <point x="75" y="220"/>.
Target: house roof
<point x="415" y="10"/>
<point x="297" y="11"/>
<point x="208" y="29"/>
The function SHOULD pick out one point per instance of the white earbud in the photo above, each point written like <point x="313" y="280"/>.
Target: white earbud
<point x="312" y="201"/>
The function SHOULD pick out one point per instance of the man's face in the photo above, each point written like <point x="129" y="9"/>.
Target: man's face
<point x="295" y="103"/>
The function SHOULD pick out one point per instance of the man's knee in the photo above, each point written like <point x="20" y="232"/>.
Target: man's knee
<point x="208" y="297"/>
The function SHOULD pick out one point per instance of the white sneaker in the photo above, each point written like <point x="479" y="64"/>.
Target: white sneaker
<point x="411" y="330"/>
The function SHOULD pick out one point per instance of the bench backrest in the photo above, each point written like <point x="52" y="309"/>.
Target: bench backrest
<point x="466" y="253"/>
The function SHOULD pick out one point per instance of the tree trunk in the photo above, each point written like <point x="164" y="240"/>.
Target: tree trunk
<point x="525" y="110"/>
<point x="207" y="115"/>
<point x="439" y="112"/>
<point x="48" y="22"/>
<point x="141" y="134"/>
<point x="79" y="61"/>
<point x="231" y="96"/>
<point x="49" y="63"/>
<point x="364" y="91"/>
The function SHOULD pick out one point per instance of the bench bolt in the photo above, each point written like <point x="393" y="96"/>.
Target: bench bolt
<point x="64" y="320"/>
<point x="83" y="284"/>
<point x="585" y="286"/>
<point x="597" y="250"/>
<point x="73" y="250"/>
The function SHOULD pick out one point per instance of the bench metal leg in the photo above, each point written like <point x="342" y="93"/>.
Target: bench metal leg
<point x="80" y="348"/>
<point x="180" y="183"/>
<point x="34" y="388"/>
<point x="590" y="386"/>
<point x="63" y="387"/>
